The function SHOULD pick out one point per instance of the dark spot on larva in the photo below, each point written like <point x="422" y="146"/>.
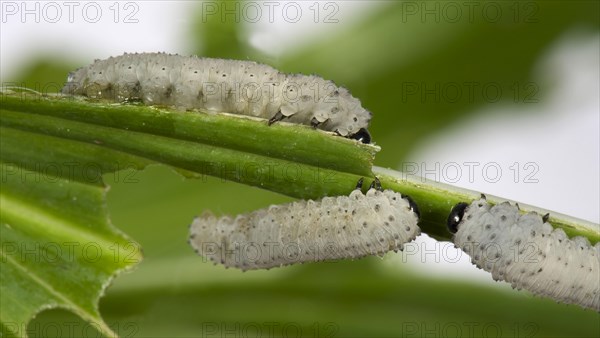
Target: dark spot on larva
<point x="540" y="270"/>
<point x="355" y="119"/>
<point x="353" y="212"/>
<point x="359" y="232"/>
<point x="492" y="236"/>
<point x="364" y="224"/>
<point x="382" y="240"/>
<point x="396" y="236"/>
<point x="407" y="228"/>
<point x="377" y="207"/>
<point x="224" y="75"/>
<point x="469" y="238"/>
<point x="518" y="241"/>
<point x="195" y="72"/>
<point x="129" y="67"/>
<point x="163" y="68"/>
<point x="344" y="227"/>
<point x="503" y="218"/>
<point x="488" y="226"/>
<point x="391" y="218"/>
<point x="334" y="110"/>
<point x="533" y="233"/>
<point x="169" y="91"/>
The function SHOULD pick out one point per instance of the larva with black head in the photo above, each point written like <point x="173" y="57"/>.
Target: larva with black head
<point x="219" y="85"/>
<point x="332" y="228"/>
<point x="526" y="251"/>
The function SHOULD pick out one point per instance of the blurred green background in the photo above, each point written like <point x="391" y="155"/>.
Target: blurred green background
<point x="173" y="293"/>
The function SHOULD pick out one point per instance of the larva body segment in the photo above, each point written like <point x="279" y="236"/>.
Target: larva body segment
<point x="219" y="85"/>
<point x="529" y="253"/>
<point x="332" y="228"/>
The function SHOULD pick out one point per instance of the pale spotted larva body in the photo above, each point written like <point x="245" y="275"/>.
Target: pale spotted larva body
<point x="526" y="251"/>
<point x="342" y="227"/>
<point x="219" y="85"/>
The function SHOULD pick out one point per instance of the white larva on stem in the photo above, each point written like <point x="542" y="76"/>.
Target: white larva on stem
<point x="219" y="85"/>
<point x="333" y="228"/>
<point x="526" y="251"/>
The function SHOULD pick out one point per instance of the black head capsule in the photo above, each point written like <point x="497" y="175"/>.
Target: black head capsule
<point x="359" y="184"/>
<point x="456" y="216"/>
<point x="413" y="205"/>
<point x="362" y="135"/>
<point x="546" y="217"/>
<point x="376" y="184"/>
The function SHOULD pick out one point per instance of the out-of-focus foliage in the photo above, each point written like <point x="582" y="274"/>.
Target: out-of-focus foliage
<point x="383" y="60"/>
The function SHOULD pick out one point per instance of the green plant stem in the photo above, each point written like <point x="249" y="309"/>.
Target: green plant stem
<point x="290" y="159"/>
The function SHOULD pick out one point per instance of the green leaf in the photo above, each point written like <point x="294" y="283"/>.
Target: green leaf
<point x="58" y="248"/>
